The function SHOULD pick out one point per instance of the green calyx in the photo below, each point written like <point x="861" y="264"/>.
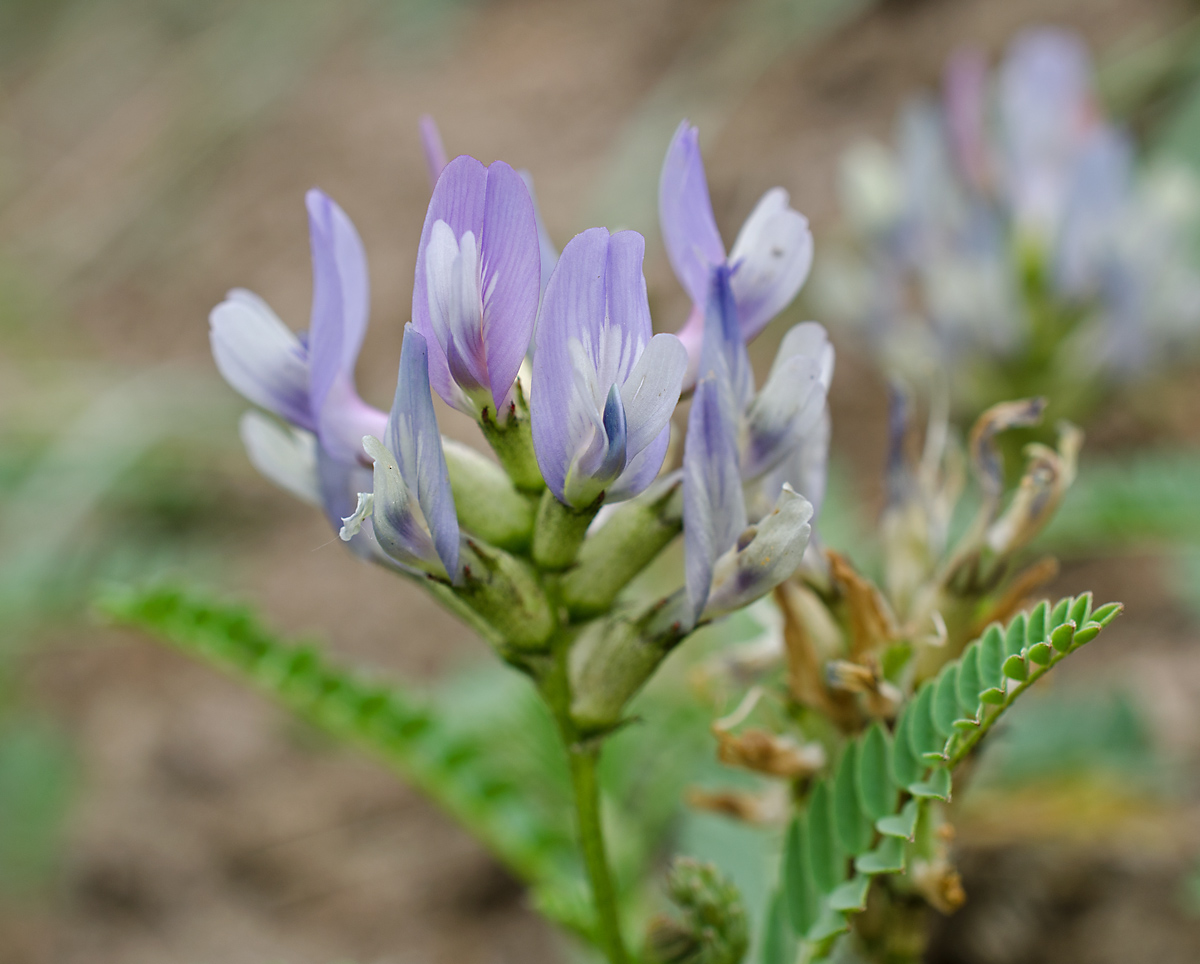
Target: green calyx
<point x="511" y="438"/>
<point x="559" y="532"/>
<point x="506" y="593"/>
<point x="488" y="504"/>
<point x="711" y="927"/>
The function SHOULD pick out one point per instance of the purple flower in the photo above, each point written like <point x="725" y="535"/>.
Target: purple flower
<point x="604" y="386"/>
<point x="431" y="144"/>
<point x="770" y="258"/>
<point x="475" y="295"/>
<point x="411" y="507"/>
<point x="306" y="379"/>
<point x="734" y="436"/>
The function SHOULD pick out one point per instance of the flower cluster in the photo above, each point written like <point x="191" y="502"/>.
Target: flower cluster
<point x="1009" y="237"/>
<point x="556" y="359"/>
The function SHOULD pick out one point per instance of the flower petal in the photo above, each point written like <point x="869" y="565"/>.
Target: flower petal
<point x="685" y="214"/>
<point x="413" y="437"/>
<point x="458" y="199"/>
<point x="723" y="349"/>
<point x="651" y="392"/>
<point x="396" y="523"/>
<point x="771" y="259"/>
<point x="431" y="144"/>
<point x="643" y="468"/>
<point x="512" y="277"/>
<point x="286" y="456"/>
<point x="261" y="357"/>
<point x="764" y="556"/>
<point x="714" y="511"/>
<point x="560" y="416"/>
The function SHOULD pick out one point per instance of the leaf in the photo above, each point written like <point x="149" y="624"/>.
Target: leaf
<point x="902" y="824"/>
<point x="852" y="895"/>
<point x="1058" y="615"/>
<point x="1063" y="637"/>
<point x="1086" y="634"/>
<point x="937" y="786"/>
<point x="1038" y="624"/>
<point x="923" y="735"/>
<point x="799" y="888"/>
<point x="945" y="700"/>
<point x="1015" y="668"/>
<point x="854" y="829"/>
<point x="1081" y="609"/>
<point x="969" y="683"/>
<point x="991" y="658"/>
<point x="777" y="942"/>
<point x="824" y="852"/>
<point x="1107" y="613"/>
<point x="876" y="791"/>
<point x="1014" y="637"/>
<point x="829" y="924"/>
<point x="887" y="858"/>
<point x="1040" y="654"/>
<point x="906" y="767"/>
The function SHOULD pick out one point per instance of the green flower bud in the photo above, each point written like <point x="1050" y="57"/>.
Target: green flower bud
<point x="505" y="592"/>
<point x="487" y="502"/>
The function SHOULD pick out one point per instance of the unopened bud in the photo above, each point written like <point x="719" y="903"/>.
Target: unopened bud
<point x="504" y="591"/>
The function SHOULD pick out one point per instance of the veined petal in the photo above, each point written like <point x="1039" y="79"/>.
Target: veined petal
<point x="397" y="525"/>
<point x="547" y="252"/>
<point x="723" y="349"/>
<point x="771" y="259"/>
<point x="456" y="311"/>
<point x="413" y="438"/>
<point x="714" y="511"/>
<point x="431" y="144"/>
<point x="651" y="391"/>
<point x="261" y="357"/>
<point x="341" y="294"/>
<point x="340" y="482"/>
<point x="764" y="556"/>
<point x="511" y="277"/>
<point x="345" y="419"/>
<point x="458" y="200"/>
<point x="790" y="402"/>
<point x="685" y="214"/>
<point x="286" y="456"/>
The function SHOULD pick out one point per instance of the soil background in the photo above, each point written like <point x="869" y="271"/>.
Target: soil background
<point x="139" y="187"/>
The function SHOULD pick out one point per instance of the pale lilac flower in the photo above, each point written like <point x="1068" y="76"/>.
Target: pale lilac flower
<point x="604" y="386"/>
<point x="431" y="145"/>
<point x="735" y="436"/>
<point x="411" y="506"/>
<point x="478" y="274"/>
<point x="306" y="379"/>
<point x="770" y="259"/>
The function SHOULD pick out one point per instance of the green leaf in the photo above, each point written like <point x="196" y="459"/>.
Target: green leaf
<point x="945" y="700"/>
<point x="906" y="767"/>
<point x="1040" y="653"/>
<point x="1038" y="625"/>
<point x="991" y="658"/>
<point x="852" y="895"/>
<point x="1063" y="636"/>
<point x="799" y="888"/>
<point x="923" y="735"/>
<point x="969" y="683"/>
<point x="887" y="858"/>
<point x="829" y="924"/>
<point x="824" y="852"/>
<point x="1081" y="609"/>
<point x="1015" y="668"/>
<point x="854" y="829"/>
<point x="902" y="824"/>
<point x="1086" y="634"/>
<point x="1106" y="613"/>
<point x="1014" y="637"/>
<point x="876" y="791"/>
<point x="937" y="786"/>
<point x="778" y="944"/>
<point x="1058" y="615"/>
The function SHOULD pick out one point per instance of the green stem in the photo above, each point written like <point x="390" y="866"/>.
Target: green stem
<point x="591" y="842"/>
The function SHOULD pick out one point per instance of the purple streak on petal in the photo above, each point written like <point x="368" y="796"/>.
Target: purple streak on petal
<point x="723" y="346"/>
<point x="414" y="440"/>
<point x="574" y="302"/>
<point x="260" y="357"/>
<point x="431" y="143"/>
<point x="546" y="249"/>
<point x="714" y="511"/>
<point x="458" y="199"/>
<point x="685" y="214"/>
<point x="511" y="276"/>
<point x="964" y="102"/>
<point x="771" y="259"/>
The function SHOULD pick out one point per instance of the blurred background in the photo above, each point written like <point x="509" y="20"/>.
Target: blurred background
<point x="154" y="153"/>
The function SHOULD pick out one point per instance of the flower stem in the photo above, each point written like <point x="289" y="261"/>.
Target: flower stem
<point x="591" y="842"/>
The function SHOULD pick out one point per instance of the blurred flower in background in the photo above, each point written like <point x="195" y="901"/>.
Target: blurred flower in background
<point x="1010" y="238"/>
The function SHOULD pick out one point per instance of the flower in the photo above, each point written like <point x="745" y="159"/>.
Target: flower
<point x="604" y="386"/>
<point x="735" y="436"/>
<point x="305" y="379"/>
<point x="411" y="506"/>
<point x="475" y="295"/>
<point x="770" y="259"/>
